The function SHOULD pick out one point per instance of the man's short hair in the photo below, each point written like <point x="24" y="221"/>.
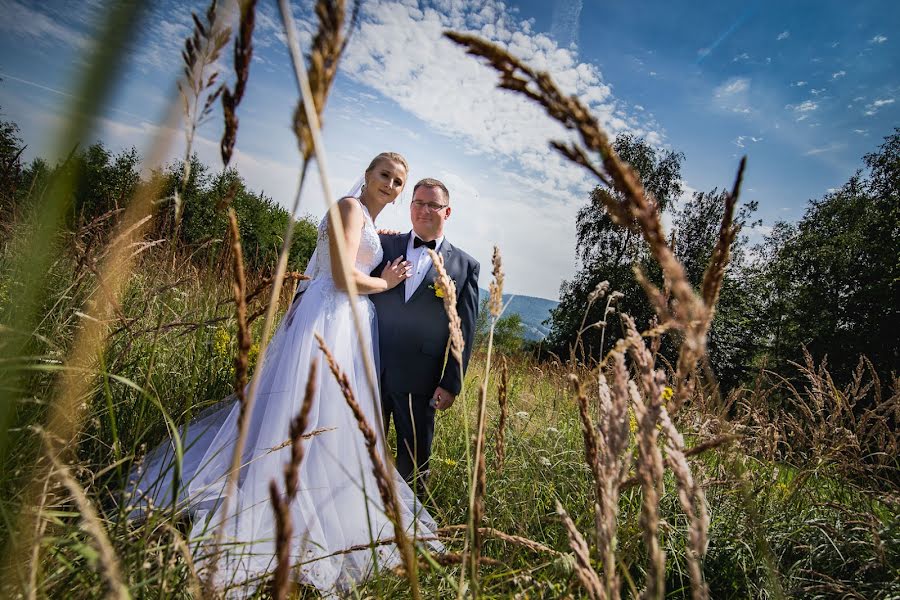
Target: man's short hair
<point x="432" y="183"/>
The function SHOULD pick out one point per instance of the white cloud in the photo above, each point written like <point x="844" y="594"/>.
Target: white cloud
<point x="823" y="149"/>
<point x="25" y="22"/>
<point x="803" y="107"/>
<point x="817" y="92"/>
<point x="733" y="95"/>
<point x="742" y="140"/>
<point x="741" y="57"/>
<point x="783" y="35"/>
<point x="732" y="87"/>
<point x="872" y="108"/>
<point x="838" y="75"/>
<point x="798" y="84"/>
<point x="878" y="39"/>
<point x="457" y="96"/>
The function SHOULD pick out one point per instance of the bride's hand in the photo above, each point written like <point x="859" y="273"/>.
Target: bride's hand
<point x="396" y="272"/>
<point x="389" y="232"/>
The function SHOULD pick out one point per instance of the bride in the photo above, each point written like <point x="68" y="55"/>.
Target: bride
<point x="337" y="506"/>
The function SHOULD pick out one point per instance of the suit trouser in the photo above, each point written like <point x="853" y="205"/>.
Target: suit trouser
<point x="414" y="421"/>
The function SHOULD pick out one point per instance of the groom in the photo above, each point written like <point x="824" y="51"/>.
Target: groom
<point x="413" y="330"/>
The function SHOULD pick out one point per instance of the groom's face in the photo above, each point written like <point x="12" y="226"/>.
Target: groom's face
<point x="427" y="219"/>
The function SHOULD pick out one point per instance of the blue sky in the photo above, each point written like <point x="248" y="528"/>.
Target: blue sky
<point x="804" y="88"/>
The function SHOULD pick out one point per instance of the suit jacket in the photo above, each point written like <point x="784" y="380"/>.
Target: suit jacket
<point x="412" y="336"/>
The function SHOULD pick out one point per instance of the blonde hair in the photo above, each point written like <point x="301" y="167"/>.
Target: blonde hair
<point x="394" y="156"/>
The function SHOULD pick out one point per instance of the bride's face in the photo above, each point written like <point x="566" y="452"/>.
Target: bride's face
<point x="385" y="181"/>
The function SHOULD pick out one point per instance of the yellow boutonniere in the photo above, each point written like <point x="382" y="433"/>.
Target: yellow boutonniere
<point x="438" y="291"/>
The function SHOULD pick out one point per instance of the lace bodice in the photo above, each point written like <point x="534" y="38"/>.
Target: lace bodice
<point x="368" y="256"/>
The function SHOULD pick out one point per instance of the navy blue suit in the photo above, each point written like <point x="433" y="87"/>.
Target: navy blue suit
<point x="412" y="340"/>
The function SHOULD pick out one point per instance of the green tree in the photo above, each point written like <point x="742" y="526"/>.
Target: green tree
<point x="508" y="331"/>
<point x="11" y="148"/>
<point x="834" y="277"/>
<point x="607" y="252"/>
<point x="734" y="336"/>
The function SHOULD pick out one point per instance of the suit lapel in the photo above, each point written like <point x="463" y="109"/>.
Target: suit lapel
<point x="400" y="249"/>
<point x="445" y="251"/>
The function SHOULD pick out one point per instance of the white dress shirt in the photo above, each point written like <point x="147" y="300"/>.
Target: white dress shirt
<point x="420" y="262"/>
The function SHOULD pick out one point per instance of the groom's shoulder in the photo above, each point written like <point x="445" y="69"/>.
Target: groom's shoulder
<point x="390" y="239"/>
<point x="464" y="257"/>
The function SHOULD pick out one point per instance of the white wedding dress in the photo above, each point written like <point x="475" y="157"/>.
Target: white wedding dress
<point x="338" y="505"/>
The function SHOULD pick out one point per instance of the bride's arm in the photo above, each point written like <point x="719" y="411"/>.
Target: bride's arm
<point x="353" y="221"/>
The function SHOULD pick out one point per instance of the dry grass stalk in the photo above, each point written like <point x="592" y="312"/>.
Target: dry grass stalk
<point x="91" y="523"/>
<point x="281" y="505"/>
<point x="496" y="287"/>
<point x="448" y="559"/>
<point x="502" y="536"/>
<point x="328" y="30"/>
<point x="448" y="288"/>
<point x="700" y="448"/>
<point x="480" y="477"/>
<point x="240" y="383"/>
<point x="298" y="426"/>
<point x="614" y="462"/>
<point x="285" y="531"/>
<point x="589" y="433"/>
<point x="693" y="503"/>
<point x="647" y="410"/>
<point x="583" y="569"/>
<point x="382" y="476"/>
<point x="40" y="527"/>
<point x="572" y="114"/>
<point x="327" y="48"/>
<point x="479" y="474"/>
<point x="201" y="51"/>
<point x="692" y="312"/>
<point x="243" y="55"/>
<point x="502" y="401"/>
<point x="76" y="380"/>
<point x="194" y="587"/>
<point x="692" y="350"/>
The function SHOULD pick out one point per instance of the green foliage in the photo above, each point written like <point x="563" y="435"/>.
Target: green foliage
<point x="105" y="183"/>
<point x="11" y="147"/>
<point x="832" y="281"/>
<point x="261" y="220"/>
<point x="732" y="342"/>
<point x="608" y="251"/>
<point x="508" y="330"/>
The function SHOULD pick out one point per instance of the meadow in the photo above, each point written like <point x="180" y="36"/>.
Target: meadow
<point x="794" y="509"/>
<point x="635" y="476"/>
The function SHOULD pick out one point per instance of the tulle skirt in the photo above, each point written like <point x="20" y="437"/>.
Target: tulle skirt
<point x="337" y="507"/>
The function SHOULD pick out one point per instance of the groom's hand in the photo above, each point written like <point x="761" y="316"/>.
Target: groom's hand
<point x="443" y="399"/>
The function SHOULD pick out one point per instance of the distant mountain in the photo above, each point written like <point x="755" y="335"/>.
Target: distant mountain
<point x="533" y="312"/>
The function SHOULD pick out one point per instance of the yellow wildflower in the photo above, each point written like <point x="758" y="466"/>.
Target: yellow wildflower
<point x="667" y="393"/>
<point x="221" y="342"/>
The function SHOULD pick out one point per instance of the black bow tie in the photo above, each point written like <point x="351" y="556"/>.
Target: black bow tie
<point x="418" y="242"/>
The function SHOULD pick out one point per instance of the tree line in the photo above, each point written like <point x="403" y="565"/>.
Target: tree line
<point x="106" y="181"/>
<point x="828" y="284"/>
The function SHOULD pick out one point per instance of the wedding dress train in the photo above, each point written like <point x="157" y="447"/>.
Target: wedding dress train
<point x="338" y="505"/>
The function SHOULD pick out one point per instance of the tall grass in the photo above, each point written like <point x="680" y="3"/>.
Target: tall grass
<point x="621" y="479"/>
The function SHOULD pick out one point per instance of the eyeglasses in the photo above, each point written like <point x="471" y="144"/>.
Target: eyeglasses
<point x="432" y="206"/>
